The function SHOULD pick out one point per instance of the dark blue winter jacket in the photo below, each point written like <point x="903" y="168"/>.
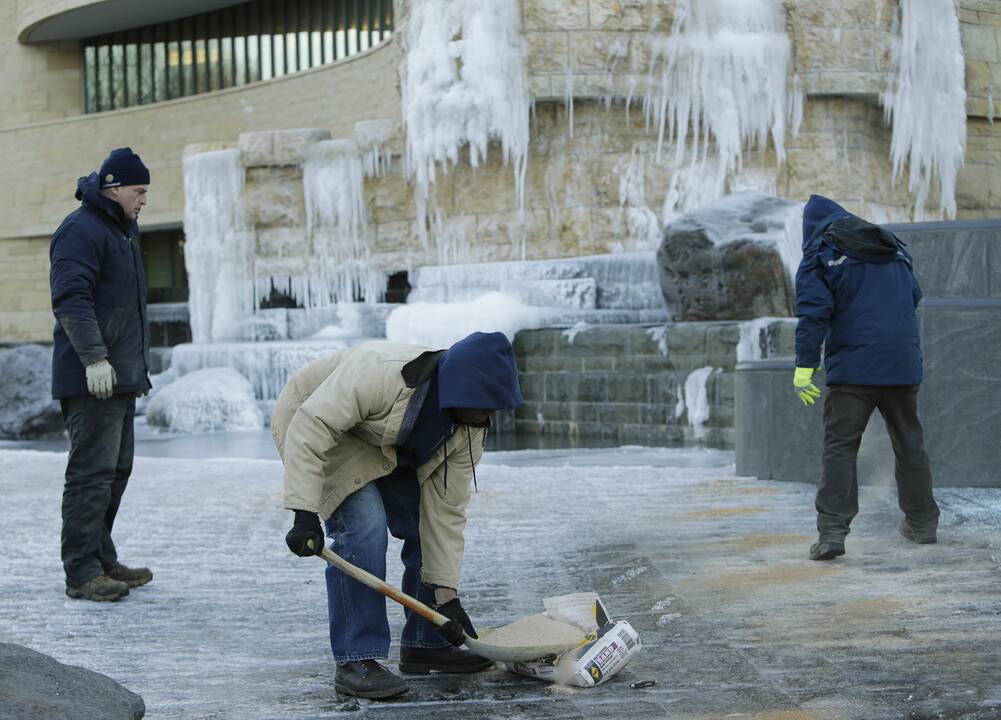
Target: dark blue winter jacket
<point x="477" y="372"/>
<point x="98" y="295"/>
<point x="856" y="293"/>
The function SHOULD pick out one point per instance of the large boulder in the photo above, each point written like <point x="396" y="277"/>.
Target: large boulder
<point x="218" y="398"/>
<point x="26" y="405"/>
<point x="732" y="259"/>
<point x="34" y="686"/>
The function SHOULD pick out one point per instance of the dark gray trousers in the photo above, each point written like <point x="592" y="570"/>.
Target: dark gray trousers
<point x="847" y="409"/>
<point x="100" y="462"/>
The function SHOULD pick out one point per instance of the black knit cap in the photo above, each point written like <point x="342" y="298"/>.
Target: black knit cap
<point x="123" y="167"/>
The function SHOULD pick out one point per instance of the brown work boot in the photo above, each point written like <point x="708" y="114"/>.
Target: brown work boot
<point x="102" y="589"/>
<point x="133" y="577"/>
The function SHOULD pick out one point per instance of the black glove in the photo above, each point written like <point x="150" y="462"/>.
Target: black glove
<point x="305" y="528"/>
<point x="459" y="627"/>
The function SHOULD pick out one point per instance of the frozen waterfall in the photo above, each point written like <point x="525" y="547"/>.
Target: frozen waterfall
<point x="463" y="84"/>
<point x="337" y="224"/>
<point x="720" y="79"/>
<point x="217" y="246"/>
<point x="926" y="101"/>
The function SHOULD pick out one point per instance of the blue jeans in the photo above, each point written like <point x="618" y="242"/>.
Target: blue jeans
<point x="359" y="628"/>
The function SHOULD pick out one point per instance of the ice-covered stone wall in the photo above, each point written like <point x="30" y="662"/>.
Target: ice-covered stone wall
<point x="593" y="184"/>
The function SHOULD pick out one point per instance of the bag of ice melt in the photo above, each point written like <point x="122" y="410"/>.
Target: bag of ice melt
<point x="608" y="647"/>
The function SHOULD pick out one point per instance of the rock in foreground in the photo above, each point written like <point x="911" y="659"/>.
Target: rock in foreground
<point x="26" y="405"/>
<point x="34" y="686"/>
<point x="729" y="259"/>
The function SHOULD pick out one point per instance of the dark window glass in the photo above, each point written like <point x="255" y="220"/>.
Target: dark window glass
<point x="163" y="263"/>
<point x="245" y="43"/>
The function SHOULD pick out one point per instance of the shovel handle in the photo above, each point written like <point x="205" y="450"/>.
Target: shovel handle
<point x="367" y="578"/>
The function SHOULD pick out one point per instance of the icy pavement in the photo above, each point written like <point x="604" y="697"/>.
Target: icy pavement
<point x="709" y="568"/>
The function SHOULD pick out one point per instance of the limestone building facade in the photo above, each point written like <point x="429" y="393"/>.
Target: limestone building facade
<point x="591" y="160"/>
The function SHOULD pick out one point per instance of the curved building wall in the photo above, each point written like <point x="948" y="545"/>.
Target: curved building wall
<point x="45" y="159"/>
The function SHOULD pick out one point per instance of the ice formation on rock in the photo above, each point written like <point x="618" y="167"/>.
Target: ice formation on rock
<point x="659" y="335"/>
<point x="266" y="365"/>
<point x="218" y="398"/>
<point x="217" y="245"/>
<point x="439" y="325"/>
<point x="697" y="400"/>
<point x="626" y="281"/>
<point x="571" y="333"/>
<point x="926" y="101"/>
<point x="719" y="81"/>
<point x="464" y="84"/>
<point x="756" y="339"/>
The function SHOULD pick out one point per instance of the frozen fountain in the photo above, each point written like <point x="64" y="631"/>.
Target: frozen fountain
<point x="509" y="208"/>
<point x="276" y="253"/>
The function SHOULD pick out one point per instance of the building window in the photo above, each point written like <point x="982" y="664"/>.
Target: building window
<point x="163" y="264"/>
<point x="224" y="48"/>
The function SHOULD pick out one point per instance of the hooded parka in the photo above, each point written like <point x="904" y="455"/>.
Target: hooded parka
<point x="339" y="422"/>
<point x="856" y="293"/>
<point x="98" y="295"/>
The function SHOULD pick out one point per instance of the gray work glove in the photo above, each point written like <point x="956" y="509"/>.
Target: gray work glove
<point x="101" y="379"/>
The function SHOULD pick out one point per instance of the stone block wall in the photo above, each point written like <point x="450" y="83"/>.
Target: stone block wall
<point x="573" y="202"/>
<point x="626" y="384"/>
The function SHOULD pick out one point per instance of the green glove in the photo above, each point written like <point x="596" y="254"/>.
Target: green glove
<point x="802" y="383"/>
<point x="101" y="379"/>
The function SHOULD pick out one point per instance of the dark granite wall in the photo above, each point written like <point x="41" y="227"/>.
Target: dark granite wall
<point x="959" y="267"/>
<point x="616" y="384"/>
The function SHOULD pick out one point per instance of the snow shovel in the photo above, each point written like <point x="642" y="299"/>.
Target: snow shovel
<point x="499" y="652"/>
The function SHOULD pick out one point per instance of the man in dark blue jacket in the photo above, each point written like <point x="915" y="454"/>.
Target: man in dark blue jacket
<point x="856" y="293"/>
<point x="100" y="362"/>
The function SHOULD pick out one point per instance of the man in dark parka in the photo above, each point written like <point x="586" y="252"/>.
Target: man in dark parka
<point x="856" y="293"/>
<point x="100" y="363"/>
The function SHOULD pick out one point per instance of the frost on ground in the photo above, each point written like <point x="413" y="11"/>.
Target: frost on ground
<point x="234" y="626"/>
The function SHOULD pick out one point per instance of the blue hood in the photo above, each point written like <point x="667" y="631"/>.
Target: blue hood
<point x="88" y="191"/>
<point x="479" y="372"/>
<point x="818" y="213"/>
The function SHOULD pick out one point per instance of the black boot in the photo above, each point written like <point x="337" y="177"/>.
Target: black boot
<point x="826" y="550"/>
<point x="447" y="659"/>
<point x="368" y="679"/>
<point x="926" y="535"/>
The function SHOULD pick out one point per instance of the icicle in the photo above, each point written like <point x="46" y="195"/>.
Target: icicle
<point x="217" y="245"/>
<point x="464" y="83"/>
<point x="926" y="101"/>
<point x="643" y="227"/>
<point x="568" y="98"/>
<point x="720" y="79"/>
<point x="372" y="138"/>
<point x="337" y="225"/>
